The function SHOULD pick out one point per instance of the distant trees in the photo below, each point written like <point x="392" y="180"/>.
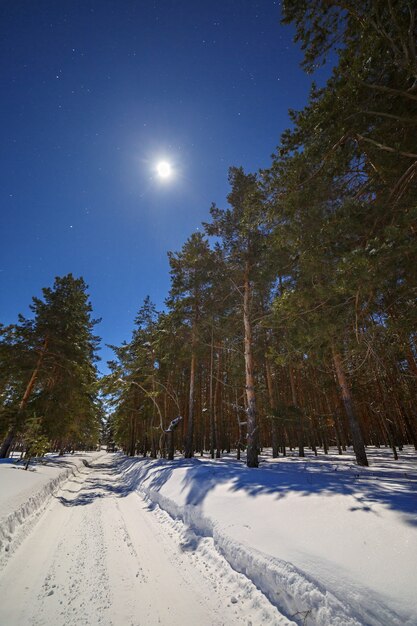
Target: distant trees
<point x="132" y="388"/>
<point x="48" y="370"/>
<point x="190" y="297"/>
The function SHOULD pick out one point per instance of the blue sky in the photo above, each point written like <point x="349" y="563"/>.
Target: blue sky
<point x="94" y="94"/>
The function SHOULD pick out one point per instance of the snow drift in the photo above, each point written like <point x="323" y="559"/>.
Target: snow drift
<point x="328" y="543"/>
<point x="24" y="495"/>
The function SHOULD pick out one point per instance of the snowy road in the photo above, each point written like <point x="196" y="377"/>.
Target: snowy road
<point x="100" y="555"/>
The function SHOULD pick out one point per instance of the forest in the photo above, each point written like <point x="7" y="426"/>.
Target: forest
<point x="291" y="321"/>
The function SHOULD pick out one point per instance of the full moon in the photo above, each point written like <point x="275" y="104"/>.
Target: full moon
<point x="164" y="169"/>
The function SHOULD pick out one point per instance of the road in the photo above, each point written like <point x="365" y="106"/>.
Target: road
<point x="101" y="555"/>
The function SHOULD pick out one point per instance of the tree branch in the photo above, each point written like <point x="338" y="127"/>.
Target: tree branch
<point x="390" y="90"/>
<point x="382" y="146"/>
<point x="405" y="120"/>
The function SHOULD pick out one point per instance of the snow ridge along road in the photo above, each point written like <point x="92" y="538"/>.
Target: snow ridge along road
<point x="25" y="494"/>
<point x="101" y="555"/>
<point x="315" y="535"/>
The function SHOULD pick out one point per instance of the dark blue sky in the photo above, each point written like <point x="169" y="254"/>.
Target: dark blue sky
<point x="94" y="93"/>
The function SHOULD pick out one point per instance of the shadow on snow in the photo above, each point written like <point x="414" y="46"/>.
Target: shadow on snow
<point x="384" y="483"/>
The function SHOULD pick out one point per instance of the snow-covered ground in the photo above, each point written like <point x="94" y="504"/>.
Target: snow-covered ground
<point x="25" y="493"/>
<point x="315" y="541"/>
<point x="101" y="555"/>
<point x="322" y="538"/>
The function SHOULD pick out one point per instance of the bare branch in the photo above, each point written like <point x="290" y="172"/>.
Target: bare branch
<point x="171" y="395"/>
<point x="404" y="181"/>
<point x="382" y="146"/>
<point x="236" y="287"/>
<point x="149" y="395"/>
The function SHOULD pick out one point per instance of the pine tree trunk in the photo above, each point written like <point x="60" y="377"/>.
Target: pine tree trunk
<point x="385" y="422"/>
<point x="252" y="432"/>
<point x="132" y="436"/>
<point x="239" y="428"/>
<point x="170" y="445"/>
<point x="217" y="404"/>
<point x="271" y="397"/>
<point x="8" y="441"/>
<point x="328" y="407"/>
<point x="153" y="446"/>
<point x="411" y="432"/>
<point x="212" y="408"/>
<point x="189" y="448"/>
<point x="300" y="416"/>
<point x="357" y="439"/>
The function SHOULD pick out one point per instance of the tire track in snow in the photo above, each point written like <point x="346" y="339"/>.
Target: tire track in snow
<point x="72" y="572"/>
<point x="238" y="595"/>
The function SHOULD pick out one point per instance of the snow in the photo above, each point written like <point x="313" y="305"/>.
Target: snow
<point x="314" y="541"/>
<point x="101" y="555"/>
<point x="318" y="536"/>
<point x="24" y="493"/>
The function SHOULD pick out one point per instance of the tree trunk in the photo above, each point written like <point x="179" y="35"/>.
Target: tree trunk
<point x="252" y="432"/>
<point x="132" y="435"/>
<point x="300" y="415"/>
<point x="189" y="447"/>
<point x="239" y="446"/>
<point x="170" y="445"/>
<point x="272" y="404"/>
<point x="212" y="408"/>
<point x="357" y="439"/>
<point x="217" y="404"/>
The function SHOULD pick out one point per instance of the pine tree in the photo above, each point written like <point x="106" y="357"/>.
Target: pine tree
<point x="343" y="180"/>
<point x="243" y="232"/>
<point x="36" y="444"/>
<point x="191" y="279"/>
<point x="60" y="386"/>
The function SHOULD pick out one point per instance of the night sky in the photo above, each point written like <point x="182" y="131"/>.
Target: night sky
<point x="94" y="94"/>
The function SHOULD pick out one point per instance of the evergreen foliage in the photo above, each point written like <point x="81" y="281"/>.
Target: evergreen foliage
<point x="35" y="442"/>
<point x="49" y="369"/>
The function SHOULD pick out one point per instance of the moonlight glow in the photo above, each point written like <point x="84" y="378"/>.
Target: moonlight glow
<point x="164" y="169"/>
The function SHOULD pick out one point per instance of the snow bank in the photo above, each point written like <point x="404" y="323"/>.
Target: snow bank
<point x="25" y="494"/>
<point x="328" y="543"/>
<point x="286" y="587"/>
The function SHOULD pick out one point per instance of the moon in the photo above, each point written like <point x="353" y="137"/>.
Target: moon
<point x="164" y="169"/>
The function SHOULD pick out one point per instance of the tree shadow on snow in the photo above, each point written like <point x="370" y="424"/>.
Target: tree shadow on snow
<point x="383" y="484"/>
<point x="93" y="488"/>
<point x="116" y="480"/>
<point x="367" y="486"/>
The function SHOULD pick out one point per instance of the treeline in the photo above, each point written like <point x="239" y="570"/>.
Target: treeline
<point x="292" y="321"/>
<point x="48" y="378"/>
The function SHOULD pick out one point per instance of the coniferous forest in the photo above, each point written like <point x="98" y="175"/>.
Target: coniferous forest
<point x="291" y="319"/>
